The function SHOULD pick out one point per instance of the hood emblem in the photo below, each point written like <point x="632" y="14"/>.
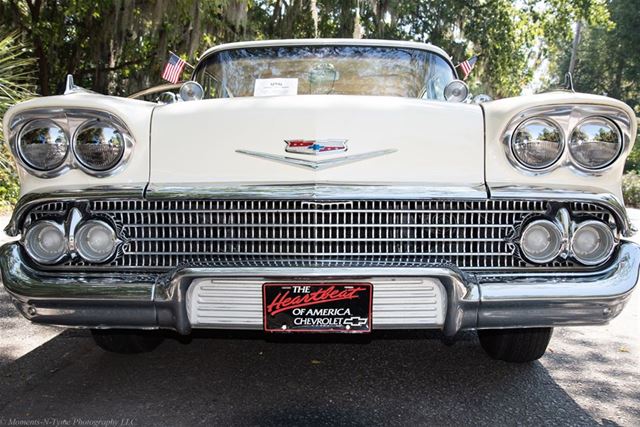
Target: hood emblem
<point x="317" y="164"/>
<point x="315" y="147"/>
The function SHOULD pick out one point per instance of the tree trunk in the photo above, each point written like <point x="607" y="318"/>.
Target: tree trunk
<point x="574" y="48"/>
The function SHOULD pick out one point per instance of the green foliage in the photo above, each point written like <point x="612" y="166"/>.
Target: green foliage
<point x="633" y="161"/>
<point x="9" y="184"/>
<point x="608" y="61"/>
<point x="120" y="47"/>
<point x="631" y="189"/>
<point x="608" y="57"/>
<point x="16" y="73"/>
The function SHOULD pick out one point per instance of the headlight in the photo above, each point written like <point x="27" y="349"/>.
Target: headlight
<point x="537" y="143"/>
<point x="95" y="241"/>
<point x="45" y="242"/>
<point x="541" y="241"/>
<point x="592" y="242"/>
<point x="595" y="143"/>
<point x="43" y="145"/>
<point x="98" y="146"/>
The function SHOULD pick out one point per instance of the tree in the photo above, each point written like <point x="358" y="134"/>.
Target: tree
<point x="119" y="46"/>
<point x="16" y="76"/>
<point x="608" y="60"/>
<point x="115" y="46"/>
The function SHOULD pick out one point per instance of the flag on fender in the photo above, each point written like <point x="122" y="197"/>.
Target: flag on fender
<point x="173" y="70"/>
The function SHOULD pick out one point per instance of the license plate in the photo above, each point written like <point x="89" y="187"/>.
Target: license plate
<point x="317" y="307"/>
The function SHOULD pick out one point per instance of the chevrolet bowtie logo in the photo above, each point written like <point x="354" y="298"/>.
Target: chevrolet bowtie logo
<point x="355" y="321"/>
<point x="315" y="146"/>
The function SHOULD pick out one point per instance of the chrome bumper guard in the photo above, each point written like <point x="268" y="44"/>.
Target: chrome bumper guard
<point x="472" y="301"/>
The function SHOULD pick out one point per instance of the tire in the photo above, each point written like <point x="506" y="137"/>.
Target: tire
<point x="126" y="341"/>
<point x="515" y="345"/>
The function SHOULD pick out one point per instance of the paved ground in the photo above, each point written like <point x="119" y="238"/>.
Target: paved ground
<point x="17" y="336"/>
<point x="590" y="376"/>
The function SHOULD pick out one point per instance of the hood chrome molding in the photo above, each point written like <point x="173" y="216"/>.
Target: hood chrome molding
<point x="317" y="165"/>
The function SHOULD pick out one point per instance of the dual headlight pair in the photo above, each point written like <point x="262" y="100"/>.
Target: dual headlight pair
<point x="591" y="242"/>
<point x="94" y="241"/>
<point x="594" y="143"/>
<point x="96" y="144"/>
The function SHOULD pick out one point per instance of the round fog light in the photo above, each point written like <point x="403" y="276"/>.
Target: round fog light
<point x="95" y="241"/>
<point x="592" y="242"/>
<point x="541" y="241"/>
<point x="45" y="242"/>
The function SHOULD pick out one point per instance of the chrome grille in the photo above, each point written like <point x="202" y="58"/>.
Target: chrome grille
<point x="163" y="234"/>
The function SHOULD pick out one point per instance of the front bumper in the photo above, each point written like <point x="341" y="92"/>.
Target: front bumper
<point x="472" y="301"/>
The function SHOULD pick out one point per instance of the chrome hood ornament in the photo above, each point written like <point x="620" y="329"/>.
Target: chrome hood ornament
<point x="317" y="164"/>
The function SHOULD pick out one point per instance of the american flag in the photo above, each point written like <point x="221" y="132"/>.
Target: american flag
<point x="467" y="66"/>
<point x="173" y="69"/>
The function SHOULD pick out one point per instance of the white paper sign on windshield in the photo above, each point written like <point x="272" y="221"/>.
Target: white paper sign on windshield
<point x="275" y="87"/>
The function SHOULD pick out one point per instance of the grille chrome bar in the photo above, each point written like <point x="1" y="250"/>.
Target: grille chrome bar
<point x="162" y="234"/>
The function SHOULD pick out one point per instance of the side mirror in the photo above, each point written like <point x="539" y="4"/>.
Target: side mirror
<point x="456" y="91"/>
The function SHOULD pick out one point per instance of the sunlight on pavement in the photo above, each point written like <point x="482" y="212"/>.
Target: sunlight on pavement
<point x="18" y="336"/>
<point x="599" y="366"/>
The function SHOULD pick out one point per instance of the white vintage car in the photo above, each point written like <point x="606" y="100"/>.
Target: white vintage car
<point x="339" y="186"/>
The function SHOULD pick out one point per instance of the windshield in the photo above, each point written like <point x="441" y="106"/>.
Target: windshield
<point x="324" y="70"/>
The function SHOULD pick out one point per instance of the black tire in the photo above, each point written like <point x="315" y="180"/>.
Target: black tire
<point x="515" y="345"/>
<point x="125" y="341"/>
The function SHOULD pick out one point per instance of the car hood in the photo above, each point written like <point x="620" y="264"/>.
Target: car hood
<point x="390" y="141"/>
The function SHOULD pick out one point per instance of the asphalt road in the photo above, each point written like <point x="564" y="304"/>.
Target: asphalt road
<point x="589" y="376"/>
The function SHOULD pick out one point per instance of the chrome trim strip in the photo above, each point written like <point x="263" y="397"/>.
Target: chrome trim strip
<point x="326" y="42"/>
<point x="314" y="191"/>
<point x="109" y="300"/>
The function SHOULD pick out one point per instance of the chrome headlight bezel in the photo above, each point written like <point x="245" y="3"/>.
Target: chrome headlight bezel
<point x="81" y="239"/>
<point x="568" y="117"/>
<point x="21" y="158"/>
<point x="553" y="228"/>
<point x="70" y="120"/>
<point x="548" y="122"/>
<point x="577" y="163"/>
<point x="610" y="246"/>
<point x="84" y="165"/>
<point x="27" y="242"/>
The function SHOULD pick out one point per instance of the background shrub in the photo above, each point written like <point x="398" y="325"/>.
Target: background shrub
<point x="631" y="189"/>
